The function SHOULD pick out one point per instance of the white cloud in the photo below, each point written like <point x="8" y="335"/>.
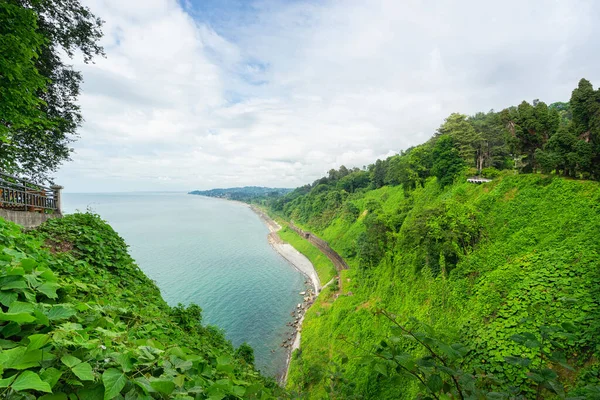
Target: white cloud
<point x="301" y="87"/>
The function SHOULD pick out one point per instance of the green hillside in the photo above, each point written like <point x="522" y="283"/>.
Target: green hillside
<point x="459" y="290"/>
<point x="476" y="265"/>
<point x="79" y="318"/>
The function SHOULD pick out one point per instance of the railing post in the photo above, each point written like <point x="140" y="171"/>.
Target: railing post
<point x="57" y="203"/>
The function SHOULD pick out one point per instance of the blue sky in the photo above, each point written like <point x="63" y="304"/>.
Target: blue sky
<point x="196" y="94"/>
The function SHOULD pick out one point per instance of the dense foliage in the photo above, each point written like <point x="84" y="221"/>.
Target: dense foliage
<point x="39" y="114"/>
<point x="561" y="139"/>
<point x="458" y="290"/>
<point x="495" y="286"/>
<point x="79" y="319"/>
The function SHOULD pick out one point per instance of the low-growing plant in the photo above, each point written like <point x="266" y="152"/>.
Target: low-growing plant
<point x="79" y="320"/>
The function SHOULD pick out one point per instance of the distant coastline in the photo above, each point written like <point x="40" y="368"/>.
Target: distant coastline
<point x="246" y="193"/>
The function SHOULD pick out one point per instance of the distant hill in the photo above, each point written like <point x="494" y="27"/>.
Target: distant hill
<point x="246" y="193"/>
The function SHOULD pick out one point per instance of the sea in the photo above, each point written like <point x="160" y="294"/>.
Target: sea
<point x="210" y="252"/>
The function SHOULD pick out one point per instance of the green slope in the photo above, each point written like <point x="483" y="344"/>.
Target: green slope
<point x="79" y="318"/>
<point x="478" y="264"/>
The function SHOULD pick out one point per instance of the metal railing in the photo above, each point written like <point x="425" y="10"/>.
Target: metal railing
<point x="19" y="194"/>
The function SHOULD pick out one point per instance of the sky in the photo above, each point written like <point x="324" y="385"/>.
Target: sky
<point x="199" y="94"/>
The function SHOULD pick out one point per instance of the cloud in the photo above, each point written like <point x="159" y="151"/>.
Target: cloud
<point x="202" y="94"/>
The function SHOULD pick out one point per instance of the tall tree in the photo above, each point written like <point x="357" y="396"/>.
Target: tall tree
<point x="585" y="107"/>
<point x="492" y="149"/>
<point x="20" y="80"/>
<point x="378" y="173"/>
<point x="466" y="139"/>
<point x="531" y="126"/>
<point x="66" y="27"/>
<point x="447" y="162"/>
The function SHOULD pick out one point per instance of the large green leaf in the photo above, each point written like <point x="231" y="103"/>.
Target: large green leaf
<point x="70" y="361"/>
<point x="83" y="371"/>
<point x="60" y="311"/>
<point x="51" y="375"/>
<point x="49" y="289"/>
<point x="19" y="284"/>
<point x="22" y="358"/>
<point x="41" y="318"/>
<point x="435" y="383"/>
<point x="20" y="306"/>
<point x="28" y="264"/>
<point x="143" y="383"/>
<point x="114" y="381"/>
<point x="4" y="383"/>
<point x="37" y="341"/>
<point x="56" y="396"/>
<point x="163" y="386"/>
<point x="224" y="364"/>
<point x="7" y="298"/>
<point x="19" y="318"/>
<point x="17" y="271"/>
<point x="29" y="380"/>
<point x="10" y="329"/>
<point x="93" y="393"/>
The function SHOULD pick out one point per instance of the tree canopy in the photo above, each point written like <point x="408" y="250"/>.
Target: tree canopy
<point x="39" y="114"/>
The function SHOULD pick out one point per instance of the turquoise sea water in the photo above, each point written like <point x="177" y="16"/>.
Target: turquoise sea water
<point x="210" y="252"/>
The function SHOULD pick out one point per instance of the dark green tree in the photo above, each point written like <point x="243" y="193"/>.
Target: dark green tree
<point x="66" y="27"/>
<point x="20" y="81"/>
<point x="585" y="106"/>
<point x="410" y="168"/>
<point x="492" y="148"/>
<point x="531" y="126"/>
<point x="447" y="162"/>
<point x="378" y="173"/>
<point x="246" y="353"/>
<point x="357" y="179"/>
<point x="466" y="139"/>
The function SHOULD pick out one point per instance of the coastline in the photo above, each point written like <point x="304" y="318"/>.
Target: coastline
<point x="302" y="264"/>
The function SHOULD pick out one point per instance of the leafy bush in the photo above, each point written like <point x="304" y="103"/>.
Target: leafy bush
<point x="78" y="318"/>
<point x="490" y="173"/>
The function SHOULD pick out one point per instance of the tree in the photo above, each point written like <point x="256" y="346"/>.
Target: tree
<point x="355" y="180"/>
<point x="531" y="126"/>
<point x="585" y="107"/>
<point x="245" y="352"/>
<point x="447" y="162"/>
<point x="66" y="27"/>
<point x="466" y="139"/>
<point x="371" y="244"/>
<point x="565" y="153"/>
<point x="378" y="173"/>
<point x="410" y="168"/>
<point x="491" y="149"/>
<point x="20" y="81"/>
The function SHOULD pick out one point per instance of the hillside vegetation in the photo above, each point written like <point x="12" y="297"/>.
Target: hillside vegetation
<point x="246" y="193"/>
<point x="476" y="264"/>
<point x="458" y="290"/>
<point x="79" y="319"/>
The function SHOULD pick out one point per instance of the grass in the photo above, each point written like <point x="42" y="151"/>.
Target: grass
<point x="323" y="265"/>
<point x="538" y="241"/>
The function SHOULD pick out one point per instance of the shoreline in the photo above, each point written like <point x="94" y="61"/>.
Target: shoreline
<point x="304" y="266"/>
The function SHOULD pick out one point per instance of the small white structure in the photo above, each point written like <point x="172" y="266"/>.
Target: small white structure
<point x="478" y="180"/>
